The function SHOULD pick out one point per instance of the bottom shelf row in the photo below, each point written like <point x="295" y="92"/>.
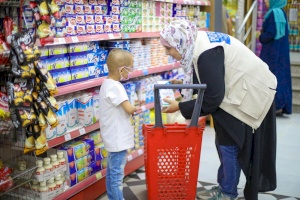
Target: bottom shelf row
<point x="61" y="190"/>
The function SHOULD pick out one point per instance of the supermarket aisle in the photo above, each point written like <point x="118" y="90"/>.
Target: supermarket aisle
<point x="288" y="163"/>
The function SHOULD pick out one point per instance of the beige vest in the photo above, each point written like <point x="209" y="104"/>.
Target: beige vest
<point x="250" y="86"/>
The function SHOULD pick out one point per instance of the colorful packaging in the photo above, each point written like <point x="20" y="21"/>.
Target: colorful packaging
<point x="100" y="151"/>
<point x="99" y="28"/>
<point x="79" y="74"/>
<point x="77" y="48"/>
<point x="90" y="29"/>
<point x="76" y="150"/>
<point x="90" y="19"/>
<point x="85" y="109"/>
<point x="61" y="77"/>
<point x="72" y="111"/>
<point x="62" y="114"/>
<point x="57" y="50"/>
<point x="81" y="30"/>
<point x="81" y="163"/>
<point x="78" y="60"/>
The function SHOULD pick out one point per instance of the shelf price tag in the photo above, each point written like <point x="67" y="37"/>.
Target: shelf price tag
<point x="61" y="41"/>
<point x="82" y="131"/>
<point x="140" y="151"/>
<point x="98" y="175"/>
<point x="68" y="137"/>
<point x="143" y="108"/>
<point x="129" y="157"/>
<point x="74" y="39"/>
<point x="111" y="36"/>
<point x="145" y="72"/>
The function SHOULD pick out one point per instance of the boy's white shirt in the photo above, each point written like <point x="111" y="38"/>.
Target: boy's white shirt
<point x="115" y="126"/>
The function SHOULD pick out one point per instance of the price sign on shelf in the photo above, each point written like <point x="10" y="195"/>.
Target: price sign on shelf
<point x="61" y="41"/>
<point x="74" y="39"/>
<point x="140" y="151"/>
<point x="111" y="36"/>
<point x="98" y="175"/>
<point x="129" y="158"/>
<point x="82" y="131"/>
<point x="143" y="108"/>
<point x="68" y="137"/>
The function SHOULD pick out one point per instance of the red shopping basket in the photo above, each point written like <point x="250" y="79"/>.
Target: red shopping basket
<point x="172" y="152"/>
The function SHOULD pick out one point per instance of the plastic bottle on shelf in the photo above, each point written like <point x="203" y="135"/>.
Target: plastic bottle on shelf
<point x="35" y="185"/>
<point x="47" y="165"/>
<point x="51" y="184"/>
<point x="40" y="170"/>
<point x="59" y="183"/>
<point x="61" y="159"/>
<point x="43" y="187"/>
<point x="54" y="162"/>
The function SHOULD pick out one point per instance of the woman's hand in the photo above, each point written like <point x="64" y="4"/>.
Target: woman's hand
<point x="176" y="81"/>
<point x="173" y="107"/>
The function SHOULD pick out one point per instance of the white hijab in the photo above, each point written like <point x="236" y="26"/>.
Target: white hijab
<point x="181" y="34"/>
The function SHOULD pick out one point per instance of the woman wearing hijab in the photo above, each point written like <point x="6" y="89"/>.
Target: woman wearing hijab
<point x="239" y="96"/>
<point x="275" y="52"/>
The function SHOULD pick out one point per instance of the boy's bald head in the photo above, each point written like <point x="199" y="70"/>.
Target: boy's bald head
<point x="118" y="58"/>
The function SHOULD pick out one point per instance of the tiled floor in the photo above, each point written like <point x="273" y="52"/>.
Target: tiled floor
<point x="288" y="165"/>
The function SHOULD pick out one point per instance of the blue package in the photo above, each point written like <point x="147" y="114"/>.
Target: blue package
<point x="93" y="58"/>
<point x="95" y="71"/>
<point x="103" y="53"/>
<point x="78" y="61"/>
<point x="62" y="77"/>
<point x="57" y="63"/>
<point x="79" y="74"/>
<point x="104" y="69"/>
<point x="92" y="46"/>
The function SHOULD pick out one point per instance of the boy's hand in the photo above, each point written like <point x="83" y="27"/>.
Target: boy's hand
<point x="138" y="109"/>
<point x="173" y="107"/>
<point x="176" y="81"/>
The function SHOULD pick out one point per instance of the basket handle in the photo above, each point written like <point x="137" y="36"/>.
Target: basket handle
<point x="197" y="107"/>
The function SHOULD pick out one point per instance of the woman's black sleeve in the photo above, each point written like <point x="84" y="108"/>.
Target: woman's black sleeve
<point x="211" y="72"/>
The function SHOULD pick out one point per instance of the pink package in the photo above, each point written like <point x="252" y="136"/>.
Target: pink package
<point x="79" y="2"/>
<point x="70" y="2"/>
<point x="69" y="9"/>
<point x="99" y="28"/>
<point x="71" y="30"/>
<point x="99" y="19"/>
<point x="88" y="9"/>
<point x="116" y="28"/>
<point x="115" y="10"/>
<point x="79" y="9"/>
<point x="107" y="28"/>
<point x="81" y="30"/>
<point x="80" y="19"/>
<point x="90" y="19"/>
<point x="115" y="19"/>
<point x="71" y="20"/>
<point x="107" y="19"/>
<point x="102" y="2"/>
<point x="90" y="29"/>
<point x="98" y="10"/>
<point x="93" y="2"/>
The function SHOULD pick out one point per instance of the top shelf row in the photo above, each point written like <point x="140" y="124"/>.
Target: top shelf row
<point x="110" y="36"/>
<point x="188" y="2"/>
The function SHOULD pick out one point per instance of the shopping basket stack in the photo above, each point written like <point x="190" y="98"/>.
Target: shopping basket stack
<point x="172" y="151"/>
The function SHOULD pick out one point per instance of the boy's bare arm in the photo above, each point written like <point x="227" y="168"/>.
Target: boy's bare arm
<point x="130" y="109"/>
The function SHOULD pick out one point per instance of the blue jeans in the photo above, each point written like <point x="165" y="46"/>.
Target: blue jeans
<point x="229" y="170"/>
<point x="114" y="174"/>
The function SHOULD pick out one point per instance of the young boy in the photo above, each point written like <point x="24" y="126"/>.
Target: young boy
<point x="115" y="111"/>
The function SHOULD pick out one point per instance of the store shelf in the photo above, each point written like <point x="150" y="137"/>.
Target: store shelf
<point x="94" y="178"/>
<point x="98" y="81"/>
<point x="140" y="35"/>
<point x="188" y="2"/>
<point x="83" y="38"/>
<point x="73" y="134"/>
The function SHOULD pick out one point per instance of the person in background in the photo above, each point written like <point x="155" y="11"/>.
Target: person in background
<point x="115" y="112"/>
<point x="275" y="52"/>
<point x="226" y="22"/>
<point x="239" y="96"/>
